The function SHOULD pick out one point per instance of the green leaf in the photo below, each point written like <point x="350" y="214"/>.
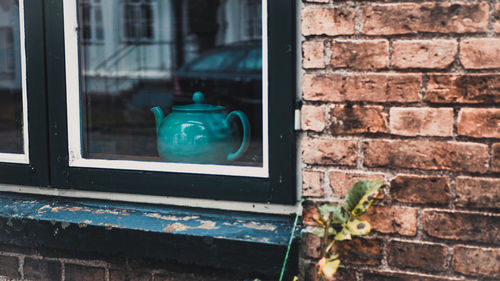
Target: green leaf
<point x="321" y="232"/>
<point x="318" y="232"/>
<point x="331" y="231"/>
<point x="358" y="227"/>
<point x="328" y="268"/>
<point x="336" y="213"/>
<point x="360" y="196"/>
<point x="344" y="234"/>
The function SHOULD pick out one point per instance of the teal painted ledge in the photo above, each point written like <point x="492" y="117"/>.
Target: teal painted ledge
<point x="246" y="242"/>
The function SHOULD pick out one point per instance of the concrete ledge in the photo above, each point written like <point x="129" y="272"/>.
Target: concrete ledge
<point x="239" y="241"/>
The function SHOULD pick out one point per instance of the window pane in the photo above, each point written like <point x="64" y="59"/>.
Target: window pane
<point x="11" y="104"/>
<point x="159" y="54"/>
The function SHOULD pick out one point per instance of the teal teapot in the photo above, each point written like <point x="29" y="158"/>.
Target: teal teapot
<point x="200" y="133"/>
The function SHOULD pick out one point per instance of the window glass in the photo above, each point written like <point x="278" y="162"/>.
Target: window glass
<point x="158" y="54"/>
<point x="219" y="61"/>
<point x="11" y="99"/>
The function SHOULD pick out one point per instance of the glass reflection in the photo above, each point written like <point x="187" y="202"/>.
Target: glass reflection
<point x="11" y="105"/>
<point x="139" y="54"/>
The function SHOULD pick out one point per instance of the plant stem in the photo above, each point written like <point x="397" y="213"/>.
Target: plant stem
<point x="325" y="239"/>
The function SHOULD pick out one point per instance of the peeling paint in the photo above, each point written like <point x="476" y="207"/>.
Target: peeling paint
<point x="259" y="226"/>
<point x="84" y="223"/>
<point x="207" y="225"/>
<point x="64" y="225"/>
<point x="176" y="227"/>
<point x="60" y="214"/>
<point x="44" y="207"/>
<point x="56" y="209"/>
<point x="171" y="218"/>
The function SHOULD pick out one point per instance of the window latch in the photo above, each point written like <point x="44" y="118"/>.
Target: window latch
<point x="298" y="106"/>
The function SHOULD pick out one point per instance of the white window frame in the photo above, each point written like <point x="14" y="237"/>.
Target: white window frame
<point x="75" y="129"/>
<point x="18" y="157"/>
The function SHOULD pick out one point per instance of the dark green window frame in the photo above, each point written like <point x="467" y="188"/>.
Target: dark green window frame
<point x="44" y="25"/>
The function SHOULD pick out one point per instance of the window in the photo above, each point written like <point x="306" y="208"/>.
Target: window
<point x="92" y="21"/>
<point x="201" y="111"/>
<point x="138" y="20"/>
<point x="252" y="28"/>
<point x="6" y="51"/>
<point x="23" y="125"/>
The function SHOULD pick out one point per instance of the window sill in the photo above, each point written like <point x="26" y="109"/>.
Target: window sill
<point x="244" y="242"/>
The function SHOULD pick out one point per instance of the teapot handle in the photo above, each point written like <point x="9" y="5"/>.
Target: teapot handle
<point x="246" y="134"/>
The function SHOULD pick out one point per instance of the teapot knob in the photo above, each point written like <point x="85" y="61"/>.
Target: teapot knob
<point x="198" y="97"/>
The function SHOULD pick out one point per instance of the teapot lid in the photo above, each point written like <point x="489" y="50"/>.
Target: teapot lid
<point x="198" y="104"/>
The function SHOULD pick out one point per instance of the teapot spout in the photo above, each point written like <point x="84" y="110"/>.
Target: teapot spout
<point x="158" y="116"/>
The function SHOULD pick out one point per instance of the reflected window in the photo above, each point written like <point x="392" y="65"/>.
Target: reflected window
<point x="138" y="21"/>
<point x="252" y="24"/>
<point x="92" y="21"/>
<point x="6" y="51"/>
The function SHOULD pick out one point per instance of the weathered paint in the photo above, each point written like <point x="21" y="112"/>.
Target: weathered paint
<point x="221" y="239"/>
<point x="224" y="225"/>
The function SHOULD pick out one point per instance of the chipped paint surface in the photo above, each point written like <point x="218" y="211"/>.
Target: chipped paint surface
<point x="68" y="214"/>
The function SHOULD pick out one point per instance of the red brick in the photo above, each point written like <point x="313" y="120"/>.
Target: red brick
<point x="329" y="151"/>
<point x="318" y="1"/>
<point x="360" y="251"/>
<point x="360" y="54"/>
<point x="9" y="267"/>
<point x="398" y="276"/>
<point x="313" y="118"/>
<point x="393" y="219"/>
<point x="312" y="246"/>
<point x="420" y="189"/>
<point x="327" y="21"/>
<point x="497" y="17"/>
<point x="309" y="211"/>
<point x="120" y="275"/>
<point x="191" y="275"/>
<point x="427" y="155"/>
<point x="312" y="183"/>
<point x="478" y="192"/>
<point x="374" y="87"/>
<point x="477" y="261"/>
<point x="467" y="88"/>
<point x="463" y="226"/>
<point x="480" y="53"/>
<point x="479" y="122"/>
<point x="435" y="53"/>
<point x="39" y="269"/>
<point x="495" y="163"/>
<point x="75" y="272"/>
<point x="421" y="121"/>
<point x="421" y="256"/>
<point x="357" y="119"/>
<point x="406" y="18"/>
<point x="341" y="182"/>
<point x="313" y="54"/>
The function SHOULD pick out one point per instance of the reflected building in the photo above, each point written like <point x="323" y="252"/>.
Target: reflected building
<point x="134" y="44"/>
<point x="11" y="107"/>
<point x="10" y="66"/>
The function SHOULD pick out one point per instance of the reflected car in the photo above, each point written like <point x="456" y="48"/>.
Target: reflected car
<point x="230" y="76"/>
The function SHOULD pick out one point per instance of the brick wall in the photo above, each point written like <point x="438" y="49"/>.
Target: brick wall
<point x="409" y="93"/>
<point x="21" y="263"/>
